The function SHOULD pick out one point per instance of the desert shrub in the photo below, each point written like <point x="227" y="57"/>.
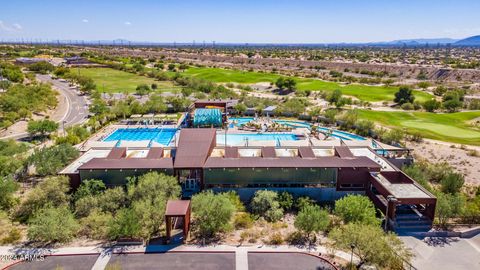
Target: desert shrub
<point x="95" y="225"/>
<point x="51" y="191"/>
<point x="276" y="239"/>
<point x="265" y="204"/>
<point x="13" y="236"/>
<point x="243" y="221"/>
<point x="52" y="225"/>
<point x="407" y="106"/>
<point x="285" y="199"/>
<point x="125" y="224"/>
<point x="235" y="200"/>
<point x="212" y="213"/>
<point x="303" y="201"/>
<point x="312" y="219"/>
<point x="296" y="238"/>
<point x="452" y="182"/>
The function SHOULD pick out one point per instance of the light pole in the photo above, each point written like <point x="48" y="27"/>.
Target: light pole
<point x="352" y="246"/>
<point x="63" y="127"/>
<point x="390" y="198"/>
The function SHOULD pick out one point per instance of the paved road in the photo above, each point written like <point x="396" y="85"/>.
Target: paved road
<point x="441" y="253"/>
<point x="181" y="261"/>
<point x="77" y="105"/>
<point x="77" y="108"/>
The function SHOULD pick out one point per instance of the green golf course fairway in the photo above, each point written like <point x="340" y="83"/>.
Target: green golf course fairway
<point x="110" y="80"/>
<point x="448" y="127"/>
<point x="363" y="92"/>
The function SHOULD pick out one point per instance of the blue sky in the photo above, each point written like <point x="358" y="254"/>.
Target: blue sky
<point x="301" y="21"/>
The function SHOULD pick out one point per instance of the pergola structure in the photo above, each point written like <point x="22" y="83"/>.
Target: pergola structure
<point x="178" y="209"/>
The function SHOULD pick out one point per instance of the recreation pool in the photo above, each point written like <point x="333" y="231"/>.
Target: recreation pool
<point x="301" y="124"/>
<point x="239" y="121"/>
<point x="160" y="135"/>
<point x="241" y="139"/>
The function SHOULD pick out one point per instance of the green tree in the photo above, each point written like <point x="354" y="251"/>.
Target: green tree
<point x="171" y="67"/>
<point x="51" y="191"/>
<point x="312" y="219"/>
<point x="303" y="201"/>
<point x="49" y="160"/>
<point x="404" y="95"/>
<point x="143" y="89"/>
<point x="8" y="187"/>
<point x="285" y="200"/>
<point x="452" y="182"/>
<point x="335" y="97"/>
<point x="265" y="203"/>
<point x="372" y="245"/>
<point x="52" y="224"/>
<point x="280" y="82"/>
<point x="356" y="208"/>
<point x="91" y="187"/>
<point x="125" y="224"/>
<point x="448" y="206"/>
<point x="431" y="105"/>
<point x="290" y="83"/>
<point x="240" y="108"/>
<point x="41" y="127"/>
<point x="95" y="225"/>
<point x="212" y="212"/>
<point x="113" y="199"/>
<point x="41" y="67"/>
<point x="154" y="184"/>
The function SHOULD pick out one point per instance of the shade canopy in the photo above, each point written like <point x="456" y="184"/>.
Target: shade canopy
<point x="207" y="117"/>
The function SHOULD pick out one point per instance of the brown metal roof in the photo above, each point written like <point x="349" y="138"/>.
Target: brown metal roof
<point x="177" y="207"/>
<point x="268" y="152"/>
<point x="127" y="163"/>
<point x="194" y="146"/>
<point x="155" y="152"/>
<point x="290" y="162"/>
<point x="117" y="152"/>
<point x="306" y="152"/>
<point x="343" y="152"/>
<point x="231" y="152"/>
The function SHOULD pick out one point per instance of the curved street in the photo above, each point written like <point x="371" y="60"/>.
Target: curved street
<point x="77" y="106"/>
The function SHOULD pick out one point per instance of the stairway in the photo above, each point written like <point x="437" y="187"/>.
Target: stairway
<point x="411" y="221"/>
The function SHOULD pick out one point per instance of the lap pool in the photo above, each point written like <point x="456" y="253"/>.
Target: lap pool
<point x="160" y="135"/>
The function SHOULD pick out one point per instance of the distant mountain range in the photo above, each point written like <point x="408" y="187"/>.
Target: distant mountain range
<point x="471" y="41"/>
<point x="420" y="42"/>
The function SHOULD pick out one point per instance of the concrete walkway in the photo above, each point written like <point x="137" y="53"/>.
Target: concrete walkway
<point x="444" y="253"/>
<point x="241" y="259"/>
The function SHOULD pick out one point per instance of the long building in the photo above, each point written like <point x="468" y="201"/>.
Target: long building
<point x="323" y="173"/>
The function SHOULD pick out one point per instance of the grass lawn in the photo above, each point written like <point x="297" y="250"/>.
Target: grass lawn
<point x="110" y="80"/>
<point x="449" y="127"/>
<point x="363" y="92"/>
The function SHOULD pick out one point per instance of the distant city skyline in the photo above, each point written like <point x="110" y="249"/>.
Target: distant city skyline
<point x="303" y="21"/>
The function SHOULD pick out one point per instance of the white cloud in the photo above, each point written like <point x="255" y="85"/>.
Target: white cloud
<point x="128" y="23"/>
<point x="85" y="20"/>
<point x="10" y="28"/>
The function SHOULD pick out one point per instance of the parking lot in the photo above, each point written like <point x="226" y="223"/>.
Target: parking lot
<point x="183" y="261"/>
<point x="79" y="262"/>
